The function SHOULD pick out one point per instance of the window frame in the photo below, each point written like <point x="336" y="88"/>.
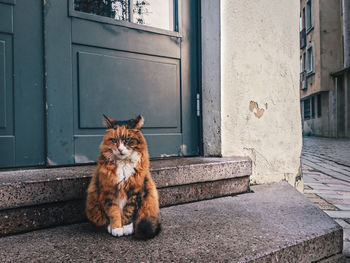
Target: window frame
<point x="108" y="20"/>
<point x="309" y="16"/>
<point x="313" y="108"/>
<point x="319" y="105"/>
<point x="310" y="66"/>
<point x="307" y="117"/>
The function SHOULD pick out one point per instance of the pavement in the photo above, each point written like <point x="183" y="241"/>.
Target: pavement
<point x="326" y="172"/>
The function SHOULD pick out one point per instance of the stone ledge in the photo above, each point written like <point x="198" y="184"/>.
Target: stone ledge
<point x="29" y="218"/>
<point x="273" y="224"/>
<point x="20" y="188"/>
<point x="47" y="197"/>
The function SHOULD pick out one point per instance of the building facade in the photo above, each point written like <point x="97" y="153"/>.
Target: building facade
<point x="207" y="82"/>
<point x="325" y="110"/>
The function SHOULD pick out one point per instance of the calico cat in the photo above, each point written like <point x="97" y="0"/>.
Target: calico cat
<point x="122" y="193"/>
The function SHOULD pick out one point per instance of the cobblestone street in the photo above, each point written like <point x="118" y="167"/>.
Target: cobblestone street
<point x="326" y="171"/>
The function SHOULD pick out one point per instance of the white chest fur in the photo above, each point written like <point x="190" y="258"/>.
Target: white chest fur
<point x="126" y="168"/>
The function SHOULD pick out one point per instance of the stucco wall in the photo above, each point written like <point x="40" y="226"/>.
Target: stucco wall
<point x="260" y="114"/>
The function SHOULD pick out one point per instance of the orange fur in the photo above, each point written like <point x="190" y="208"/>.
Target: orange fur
<point x="124" y="146"/>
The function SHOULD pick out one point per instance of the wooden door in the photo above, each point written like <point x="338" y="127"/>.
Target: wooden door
<point x="120" y="58"/>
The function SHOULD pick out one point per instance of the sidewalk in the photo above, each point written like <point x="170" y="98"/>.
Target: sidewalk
<point x="326" y="171"/>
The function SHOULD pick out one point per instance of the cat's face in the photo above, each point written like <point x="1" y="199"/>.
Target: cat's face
<point x="123" y="140"/>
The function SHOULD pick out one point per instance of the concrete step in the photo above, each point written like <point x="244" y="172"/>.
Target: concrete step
<point x="275" y="223"/>
<point x="37" y="198"/>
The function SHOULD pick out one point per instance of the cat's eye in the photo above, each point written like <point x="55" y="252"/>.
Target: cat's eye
<point x="132" y="141"/>
<point x="114" y="140"/>
<point x="127" y="140"/>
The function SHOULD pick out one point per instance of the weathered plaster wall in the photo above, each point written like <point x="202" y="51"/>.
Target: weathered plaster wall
<point x="260" y="87"/>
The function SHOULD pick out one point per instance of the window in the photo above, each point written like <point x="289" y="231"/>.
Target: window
<point x="306" y="109"/>
<point x="309" y="67"/>
<point x="154" y="13"/>
<point x="308" y="15"/>
<point x="313" y="107"/>
<point x="301" y="64"/>
<point x="319" y="109"/>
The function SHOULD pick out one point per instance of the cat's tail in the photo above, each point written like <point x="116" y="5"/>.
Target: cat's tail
<point x="147" y="227"/>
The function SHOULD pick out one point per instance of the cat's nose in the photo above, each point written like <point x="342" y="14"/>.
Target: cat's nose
<point x="120" y="149"/>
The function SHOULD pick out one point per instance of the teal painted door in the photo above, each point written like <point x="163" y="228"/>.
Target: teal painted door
<point x="120" y="58"/>
<point x="22" y="141"/>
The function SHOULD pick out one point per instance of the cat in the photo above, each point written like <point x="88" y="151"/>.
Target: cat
<point x="121" y="193"/>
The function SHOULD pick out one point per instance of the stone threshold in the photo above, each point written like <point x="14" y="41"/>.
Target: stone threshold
<point x="37" y="198"/>
<point x="275" y="223"/>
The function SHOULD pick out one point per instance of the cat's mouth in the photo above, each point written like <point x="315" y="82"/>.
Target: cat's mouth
<point x="120" y="155"/>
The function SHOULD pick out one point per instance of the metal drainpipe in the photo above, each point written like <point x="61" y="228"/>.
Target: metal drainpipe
<point x="346" y="31"/>
<point x="346" y="34"/>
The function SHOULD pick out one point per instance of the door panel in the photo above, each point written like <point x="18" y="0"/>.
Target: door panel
<point x="105" y="87"/>
<point x="115" y="37"/>
<point x="7" y="138"/>
<point x="21" y="91"/>
<point x="97" y="65"/>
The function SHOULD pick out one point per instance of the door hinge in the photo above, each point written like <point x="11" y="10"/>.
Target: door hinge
<point x="198" y="105"/>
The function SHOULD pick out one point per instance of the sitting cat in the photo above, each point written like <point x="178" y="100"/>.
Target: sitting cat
<point x="122" y="192"/>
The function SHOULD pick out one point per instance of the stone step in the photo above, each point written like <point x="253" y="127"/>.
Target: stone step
<point x="37" y="198"/>
<point x="274" y="223"/>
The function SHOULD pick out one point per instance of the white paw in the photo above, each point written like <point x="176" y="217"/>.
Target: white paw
<point x="128" y="229"/>
<point x="117" y="232"/>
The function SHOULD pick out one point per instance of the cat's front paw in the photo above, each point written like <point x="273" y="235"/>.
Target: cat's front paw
<point x="116" y="232"/>
<point x="128" y="229"/>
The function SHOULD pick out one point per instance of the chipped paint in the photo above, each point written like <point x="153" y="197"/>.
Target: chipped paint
<point x="183" y="149"/>
<point x="164" y="155"/>
<point x="82" y="159"/>
<point x="50" y="162"/>
<point x="254" y="107"/>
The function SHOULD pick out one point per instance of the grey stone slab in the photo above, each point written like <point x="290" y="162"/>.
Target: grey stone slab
<point x="341" y="186"/>
<point x="201" y="191"/>
<point x="308" y="180"/>
<point x="343" y="207"/>
<point x="346" y="234"/>
<point x="324" y="169"/>
<point x="342" y="223"/>
<point x="332" y="165"/>
<point x="337" y="150"/>
<point x="38" y="186"/>
<point x="273" y="224"/>
<point x="334" y="196"/>
<point x="319" y="186"/>
<point x="320" y="202"/>
<point x="338" y="214"/>
<point x="181" y="171"/>
<point x="346" y="249"/>
<point x="317" y="191"/>
<point x="29" y="218"/>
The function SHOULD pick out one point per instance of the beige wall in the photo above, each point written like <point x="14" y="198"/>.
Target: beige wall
<point x="260" y="86"/>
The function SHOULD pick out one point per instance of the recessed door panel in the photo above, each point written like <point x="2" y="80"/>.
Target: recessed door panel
<point x="123" y="85"/>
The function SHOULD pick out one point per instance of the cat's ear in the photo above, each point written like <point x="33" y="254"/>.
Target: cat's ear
<point x="108" y="122"/>
<point x="137" y="122"/>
